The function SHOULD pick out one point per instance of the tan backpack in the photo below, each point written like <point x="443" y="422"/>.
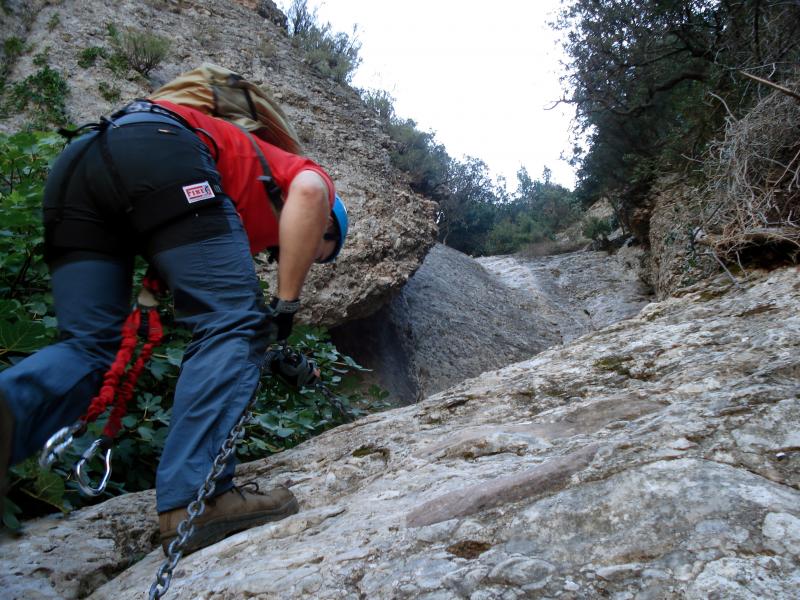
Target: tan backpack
<point x="222" y="93"/>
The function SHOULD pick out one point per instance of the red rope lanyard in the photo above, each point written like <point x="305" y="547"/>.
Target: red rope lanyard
<point x="118" y="384"/>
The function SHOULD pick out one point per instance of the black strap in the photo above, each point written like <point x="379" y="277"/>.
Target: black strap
<point x="70" y="134"/>
<point x="271" y="188"/>
<point x="144" y="105"/>
<point x="250" y="105"/>
<point x="108" y="159"/>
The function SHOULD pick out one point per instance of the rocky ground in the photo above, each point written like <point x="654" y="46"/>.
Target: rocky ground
<point x="657" y="458"/>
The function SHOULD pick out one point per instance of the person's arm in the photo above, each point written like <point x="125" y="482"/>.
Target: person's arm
<point x="303" y="221"/>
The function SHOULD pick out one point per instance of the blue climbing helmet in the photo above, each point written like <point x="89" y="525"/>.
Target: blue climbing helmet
<point x="339" y="214"/>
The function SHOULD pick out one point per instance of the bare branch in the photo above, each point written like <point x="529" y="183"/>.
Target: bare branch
<point x="780" y="88"/>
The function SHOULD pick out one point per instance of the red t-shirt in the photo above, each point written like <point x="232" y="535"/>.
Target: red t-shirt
<point x="239" y="166"/>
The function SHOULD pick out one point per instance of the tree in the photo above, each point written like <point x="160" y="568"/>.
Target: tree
<point x="642" y="75"/>
<point x="466" y="213"/>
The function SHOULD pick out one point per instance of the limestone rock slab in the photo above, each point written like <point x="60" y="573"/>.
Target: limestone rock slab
<point x="676" y="478"/>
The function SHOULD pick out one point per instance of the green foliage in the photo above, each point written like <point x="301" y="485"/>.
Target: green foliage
<point x="88" y="56"/>
<point x="13" y="47"/>
<point x="142" y="50"/>
<point x="53" y="22"/>
<point x="117" y="63"/>
<point x="26" y="317"/>
<point x="475" y="215"/>
<point x="112" y="32"/>
<point x="24" y="161"/>
<point x="417" y="153"/>
<point x="380" y="102"/>
<point x="642" y="75"/>
<point x="468" y="212"/>
<point x="333" y="55"/>
<point x="110" y="93"/>
<point x="283" y="417"/>
<point x="596" y="228"/>
<point x="44" y="94"/>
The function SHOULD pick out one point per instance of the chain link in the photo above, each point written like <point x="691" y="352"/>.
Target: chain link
<point x="196" y="508"/>
<point x="337" y="403"/>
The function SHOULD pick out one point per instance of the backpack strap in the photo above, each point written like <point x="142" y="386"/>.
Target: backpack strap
<point x="270" y="187"/>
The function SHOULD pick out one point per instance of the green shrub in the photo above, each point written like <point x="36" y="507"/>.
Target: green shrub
<point x="597" y="229"/>
<point x="333" y="55"/>
<point x="379" y="102"/>
<point x="110" y="93"/>
<point x="143" y="51"/>
<point x="118" y="64"/>
<point x="13" y="47"/>
<point x="88" y="56"/>
<point x="53" y="22"/>
<point x="418" y="154"/>
<point x="45" y="92"/>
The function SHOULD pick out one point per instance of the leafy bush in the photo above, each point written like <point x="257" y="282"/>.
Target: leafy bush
<point x="418" y="154"/>
<point x="45" y="92"/>
<point x="53" y="22"/>
<point x="26" y="317"/>
<point x="653" y="83"/>
<point x="333" y="55"/>
<point x="143" y="51"/>
<point x="88" y="56"/>
<point x="380" y="102"/>
<point x="110" y="93"/>
<point x="596" y="228"/>
<point x="13" y="47"/>
<point x="282" y="417"/>
<point x="475" y="215"/>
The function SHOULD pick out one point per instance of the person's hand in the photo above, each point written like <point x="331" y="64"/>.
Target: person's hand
<point x="283" y="316"/>
<point x="293" y="367"/>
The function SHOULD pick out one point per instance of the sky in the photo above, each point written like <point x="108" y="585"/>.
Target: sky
<point x="480" y="74"/>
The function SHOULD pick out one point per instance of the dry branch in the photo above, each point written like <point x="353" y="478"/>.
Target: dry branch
<point x="771" y="84"/>
<point x="753" y="190"/>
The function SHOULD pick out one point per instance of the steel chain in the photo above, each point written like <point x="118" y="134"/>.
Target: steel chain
<point x="336" y="403"/>
<point x="196" y="508"/>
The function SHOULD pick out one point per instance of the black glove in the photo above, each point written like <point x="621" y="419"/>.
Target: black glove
<point x="283" y="316"/>
<point x="293" y="367"/>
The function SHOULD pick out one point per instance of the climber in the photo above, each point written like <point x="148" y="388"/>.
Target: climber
<point x="185" y="191"/>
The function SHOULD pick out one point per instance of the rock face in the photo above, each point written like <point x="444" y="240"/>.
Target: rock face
<point x="655" y="458"/>
<point x="675" y="261"/>
<point x="452" y="321"/>
<point x="392" y="228"/>
<point x="458" y="317"/>
<point x="580" y="291"/>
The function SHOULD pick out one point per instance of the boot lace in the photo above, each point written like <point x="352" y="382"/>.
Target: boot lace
<point x="250" y="487"/>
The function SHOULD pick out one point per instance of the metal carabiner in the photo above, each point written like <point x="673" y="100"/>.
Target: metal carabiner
<point x="58" y="442"/>
<point x="80" y="474"/>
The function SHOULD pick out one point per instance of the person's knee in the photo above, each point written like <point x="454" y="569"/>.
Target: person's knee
<point x="100" y="348"/>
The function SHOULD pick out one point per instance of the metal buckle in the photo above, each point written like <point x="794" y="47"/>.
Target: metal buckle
<point x="58" y="443"/>
<point x="80" y="474"/>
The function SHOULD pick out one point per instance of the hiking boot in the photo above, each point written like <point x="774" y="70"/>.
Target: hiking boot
<point x="6" y="433"/>
<point x="230" y="512"/>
